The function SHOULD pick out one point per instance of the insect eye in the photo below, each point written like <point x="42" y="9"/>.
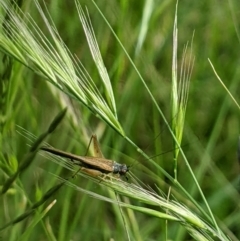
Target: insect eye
<point x="125" y="169"/>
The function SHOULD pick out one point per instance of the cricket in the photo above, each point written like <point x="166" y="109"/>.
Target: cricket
<point x="96" y="165"/>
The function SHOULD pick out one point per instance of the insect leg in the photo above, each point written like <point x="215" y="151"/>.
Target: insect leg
<point x="91" y="172"/>
<point x="85" y="155"/>
<point x="96" y="147"/>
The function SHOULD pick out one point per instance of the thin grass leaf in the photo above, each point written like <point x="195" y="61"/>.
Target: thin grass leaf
<point x="146" y="16"/>
<point x="57" y="121"/>
<point x="47" y="195"/>
<point x="38" y="218"/>
<point x="224" y="86"/>
<point x="29" y="212"/>
<point x="8" y="183"/>
<point x="18" y="219"/>
<point x="238" y="150"/>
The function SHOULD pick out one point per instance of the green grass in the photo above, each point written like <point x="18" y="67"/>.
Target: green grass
<point x="86" y="209"/>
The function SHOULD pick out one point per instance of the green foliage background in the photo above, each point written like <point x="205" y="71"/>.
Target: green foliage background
<point x="211" y="128"/>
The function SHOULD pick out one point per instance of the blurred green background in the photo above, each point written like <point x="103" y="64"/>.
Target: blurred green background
<point x="212" y="121"/>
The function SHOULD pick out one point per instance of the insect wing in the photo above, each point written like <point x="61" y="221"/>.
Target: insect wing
<point x="102" y="164"/>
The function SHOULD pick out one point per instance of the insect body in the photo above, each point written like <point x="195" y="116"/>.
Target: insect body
<point x="94" y="166"/>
